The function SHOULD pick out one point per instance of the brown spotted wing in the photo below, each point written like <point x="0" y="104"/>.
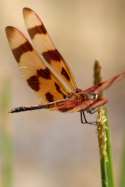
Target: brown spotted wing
<point x="38" y="76"/>
<point x="46" y="47"/>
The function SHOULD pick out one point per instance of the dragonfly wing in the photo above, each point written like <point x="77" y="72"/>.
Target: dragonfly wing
<point x="98" y="103"/>
<point x="97" y="89"/>
<point x="89" y="104"/>
<point x="106" y="84"/>
<point x="37" y="74"/>
<point x="46" y="48"/>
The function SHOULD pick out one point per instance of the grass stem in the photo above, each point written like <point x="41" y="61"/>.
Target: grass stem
<point x="104" y="137"/>
<point x="5" y="137"/>
<point x="122" y="173"/>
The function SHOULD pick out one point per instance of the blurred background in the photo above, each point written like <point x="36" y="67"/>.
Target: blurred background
<point x="52" y="149"/>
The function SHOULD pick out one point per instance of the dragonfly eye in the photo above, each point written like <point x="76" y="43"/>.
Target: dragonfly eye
<point x="92" y="96"/>
<point x="77" y="90"/>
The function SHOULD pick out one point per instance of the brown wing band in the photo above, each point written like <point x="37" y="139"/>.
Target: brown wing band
<point x="40" y="29"/>
<point x="23" y="48"/>
<point x="52" y="55"/>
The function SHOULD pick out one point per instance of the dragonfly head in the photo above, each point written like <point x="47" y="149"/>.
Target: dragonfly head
<point x="92" y="96"/>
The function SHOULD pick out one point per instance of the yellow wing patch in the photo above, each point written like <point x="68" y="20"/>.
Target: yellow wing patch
<point x="46" y="48"/>
<point x="37" y="74"/>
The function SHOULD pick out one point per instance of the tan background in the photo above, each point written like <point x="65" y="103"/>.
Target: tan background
<point x="53" y="149"/>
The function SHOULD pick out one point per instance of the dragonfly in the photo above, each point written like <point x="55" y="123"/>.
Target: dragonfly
<point x="49" y="75"/>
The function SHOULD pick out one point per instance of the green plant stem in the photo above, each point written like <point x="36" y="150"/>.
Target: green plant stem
<point x="122" y="174"/>
<point x="5" y="137"/>
<point x="104" y="138"/>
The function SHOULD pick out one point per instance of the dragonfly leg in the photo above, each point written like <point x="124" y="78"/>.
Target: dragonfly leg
<point x="84" y="119"/>
<point x="92" y="110"/>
